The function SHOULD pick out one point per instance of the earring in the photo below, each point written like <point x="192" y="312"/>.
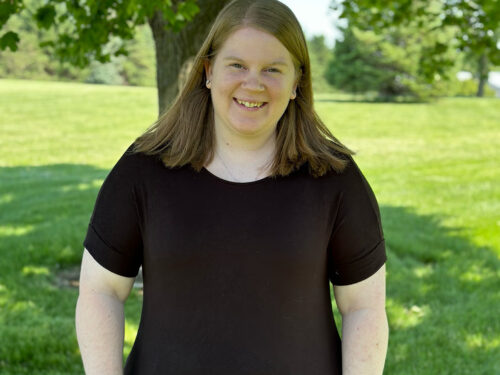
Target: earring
<point x="208" y="84"/>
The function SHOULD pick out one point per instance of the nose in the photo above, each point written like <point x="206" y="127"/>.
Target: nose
<point x="252" y="82"/>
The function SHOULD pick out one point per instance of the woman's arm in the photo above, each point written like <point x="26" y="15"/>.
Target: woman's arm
<point x="364" y="325"/>
<point x="100" y="317"/>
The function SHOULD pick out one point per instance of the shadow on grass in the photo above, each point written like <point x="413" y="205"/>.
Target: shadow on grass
<point x="443" y="291"/>
<point x="45" y="208"/>
<point x="443" y="297"/>
<point x="44" y="212"/>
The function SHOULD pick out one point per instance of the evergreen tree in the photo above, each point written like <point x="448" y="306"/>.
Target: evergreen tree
<point x="472" y="26"/>
<point x="389" y="62"/>
<point x="359" y="66"/>
<point x="319" y="54"/>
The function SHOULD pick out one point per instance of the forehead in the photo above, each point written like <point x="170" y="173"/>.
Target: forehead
<point x="249" y="43"/>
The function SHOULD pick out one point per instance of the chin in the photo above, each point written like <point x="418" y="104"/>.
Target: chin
<point x="245" y="127"/>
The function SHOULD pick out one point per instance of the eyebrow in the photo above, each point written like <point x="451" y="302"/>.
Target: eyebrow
<point x="277" y="62"/>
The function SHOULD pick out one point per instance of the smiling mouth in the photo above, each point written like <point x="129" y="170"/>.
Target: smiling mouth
<point x="250" y="104"/>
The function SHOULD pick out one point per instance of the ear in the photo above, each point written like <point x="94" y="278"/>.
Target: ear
<point x="208" y="69"/>
<point x="294" y="92"/>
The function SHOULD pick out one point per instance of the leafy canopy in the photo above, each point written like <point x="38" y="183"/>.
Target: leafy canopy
<point x="475" y="23"/>
<point x="84" y="27"/>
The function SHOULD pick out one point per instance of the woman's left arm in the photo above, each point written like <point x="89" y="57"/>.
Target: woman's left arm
<point x="365" y="330"/>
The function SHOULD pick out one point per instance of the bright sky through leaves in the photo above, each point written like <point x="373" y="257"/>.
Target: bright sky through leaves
<point x="315" y="17"/>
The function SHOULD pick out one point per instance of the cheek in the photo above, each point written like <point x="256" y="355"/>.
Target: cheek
<point x="225" y="85"/>
<point x="228" y="78"/>
<point x="279" y="87"/>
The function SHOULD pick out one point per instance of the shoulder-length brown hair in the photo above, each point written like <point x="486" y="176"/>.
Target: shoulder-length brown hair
<point x="184" y="134"/>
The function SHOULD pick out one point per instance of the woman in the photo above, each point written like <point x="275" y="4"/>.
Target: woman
<point x="241" y="207"/>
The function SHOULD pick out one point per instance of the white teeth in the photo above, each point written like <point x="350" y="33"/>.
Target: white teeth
<point x="250" y="105"/>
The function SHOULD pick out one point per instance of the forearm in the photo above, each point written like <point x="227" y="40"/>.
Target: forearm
<point x="100" y="332"/>
<point x="364" y="342"/>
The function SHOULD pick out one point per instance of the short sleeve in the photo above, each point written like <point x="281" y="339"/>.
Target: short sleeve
<point x="114" y="236"/>
<point x="357" y="246"/>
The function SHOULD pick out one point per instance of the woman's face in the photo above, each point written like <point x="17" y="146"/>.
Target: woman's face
<point x="252" y="80"/>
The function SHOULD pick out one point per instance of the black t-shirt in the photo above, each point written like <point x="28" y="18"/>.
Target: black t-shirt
<point x="236" y="275"/>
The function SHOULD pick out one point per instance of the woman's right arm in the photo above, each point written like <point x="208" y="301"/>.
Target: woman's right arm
<point x="100" y="317"/>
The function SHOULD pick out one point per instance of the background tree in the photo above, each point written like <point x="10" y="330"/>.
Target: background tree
<point x="388" y="62"/>
<point x="361" y="63"/>
<point x="319" y="49"/>
<point x="84" y="30"/>
<point x="319" y="54"/>
<point x="30" y="61"/>
<point x="478" y="24"/>
<point x="139" y="67"/>
<point x="474" y="25"/>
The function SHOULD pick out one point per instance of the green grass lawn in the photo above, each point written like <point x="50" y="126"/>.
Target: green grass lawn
<point x="434" y="168"/>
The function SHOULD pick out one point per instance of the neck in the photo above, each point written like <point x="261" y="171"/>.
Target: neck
<point x="243" y="159"/>
<point x="252" y="155"/>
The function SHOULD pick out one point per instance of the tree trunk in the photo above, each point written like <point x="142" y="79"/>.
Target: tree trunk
<point x="482" y="74"/>
<point x="174" y="49"/>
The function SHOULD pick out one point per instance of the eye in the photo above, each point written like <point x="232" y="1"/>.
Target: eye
<point x="236" y="65"/>
<point x="273" y="70"/>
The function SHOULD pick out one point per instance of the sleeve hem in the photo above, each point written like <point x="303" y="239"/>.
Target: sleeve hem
<point x="107" y="256"/>
<point x="359" y="271"/>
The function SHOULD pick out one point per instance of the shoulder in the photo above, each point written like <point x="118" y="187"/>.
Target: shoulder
<point x="351" y="174"/>
<point x="135" y="159"/>
<point x="352" y="187"/>
<point x="129" y="173"/>
<point x="132" y="164"/>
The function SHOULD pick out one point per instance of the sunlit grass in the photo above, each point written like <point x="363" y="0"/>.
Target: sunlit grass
<point x="131" y="327"/>
<point x="434" y="169"/>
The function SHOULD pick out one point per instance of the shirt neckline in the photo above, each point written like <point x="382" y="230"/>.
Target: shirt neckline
<point x="219" y="179"/>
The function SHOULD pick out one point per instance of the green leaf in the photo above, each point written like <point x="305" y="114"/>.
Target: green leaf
<point x="45" y="16"/>
<point x="121" y="52"/>
<point x="9" y="39"/>
<point x="440" y="48"/>
<point x="62" y="18"/>
<point x="188" y="10"/>
<point x="169" y="15"/>
<point x="8" y="8"/>
<point x="47" y="43"/>
<point x="103" y="58"/>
